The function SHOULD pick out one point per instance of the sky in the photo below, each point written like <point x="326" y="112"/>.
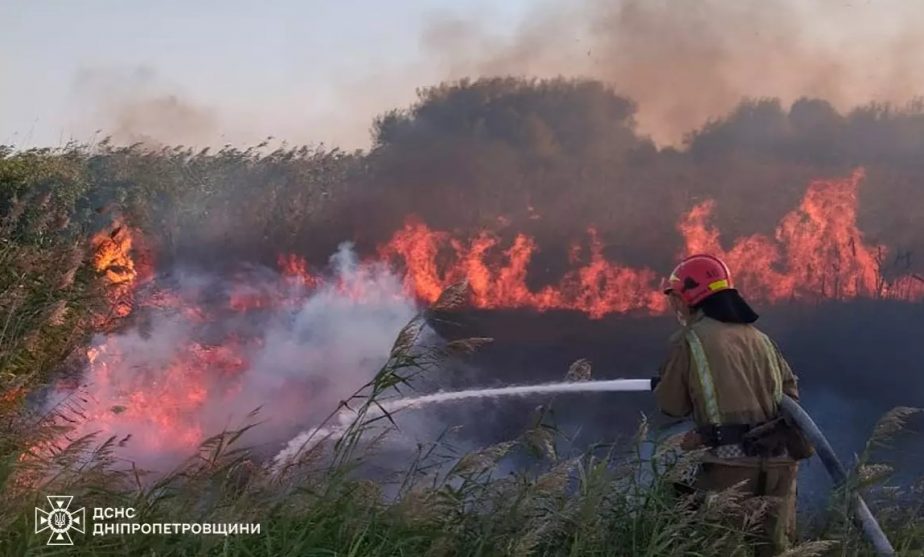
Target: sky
<point x="211" y="72"/>
<point x="245" y="69"/>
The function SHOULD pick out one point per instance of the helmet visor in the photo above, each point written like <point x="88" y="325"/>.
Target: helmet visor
<point x="667" y="283"/>
<point x="666" y="287"/>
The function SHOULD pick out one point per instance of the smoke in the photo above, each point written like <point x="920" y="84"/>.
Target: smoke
<point x="139" y="106"/>
<point x="161" y="120"/>
<point x="195" y="367"/>
<point x="687" y="63"/>
<point x="684" y="64"/>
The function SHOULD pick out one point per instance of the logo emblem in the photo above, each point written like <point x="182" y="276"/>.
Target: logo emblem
<point x="60" y="520"/>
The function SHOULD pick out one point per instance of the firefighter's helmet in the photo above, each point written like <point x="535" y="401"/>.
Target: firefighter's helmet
<point x="697" y="277"/>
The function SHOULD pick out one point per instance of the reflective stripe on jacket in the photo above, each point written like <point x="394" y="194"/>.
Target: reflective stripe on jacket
<point x="724" y="373"/>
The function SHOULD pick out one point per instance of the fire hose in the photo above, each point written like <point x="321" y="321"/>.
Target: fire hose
<point x="789" y="407"/>
<point x="863" y="518"/>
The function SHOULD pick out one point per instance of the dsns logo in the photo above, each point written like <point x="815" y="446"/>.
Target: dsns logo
<point x="60" y="520"/>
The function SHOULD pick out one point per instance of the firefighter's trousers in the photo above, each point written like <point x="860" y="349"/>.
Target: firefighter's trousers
<point x="774" y="480"/>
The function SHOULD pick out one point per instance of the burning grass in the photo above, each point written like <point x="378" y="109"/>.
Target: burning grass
<point x="607" y="500"/>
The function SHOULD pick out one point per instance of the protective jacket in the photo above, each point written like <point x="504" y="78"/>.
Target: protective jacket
<point x="723" y="373"/>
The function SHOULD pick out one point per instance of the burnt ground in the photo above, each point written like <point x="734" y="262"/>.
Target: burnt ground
<point x="855" y="361"/>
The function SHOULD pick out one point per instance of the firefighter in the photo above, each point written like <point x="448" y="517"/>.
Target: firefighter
<point x="730" y="376"/>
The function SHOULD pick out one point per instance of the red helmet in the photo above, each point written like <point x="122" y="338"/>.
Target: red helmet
<point x="698" y="277"/>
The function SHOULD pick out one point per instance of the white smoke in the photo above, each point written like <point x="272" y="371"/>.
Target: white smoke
<point x="295" y="360"/>
<point x="335" y="342"/>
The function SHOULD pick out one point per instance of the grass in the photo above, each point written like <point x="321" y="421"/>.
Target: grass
<point x="606" y="500"/>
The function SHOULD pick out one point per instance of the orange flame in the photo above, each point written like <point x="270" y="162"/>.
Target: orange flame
<point x="295" y="268"/>
<point x="597" y="288"/>
<point x="113" y="257"/>
<point x="160" y="409"/>
<point x="817" y="251"/>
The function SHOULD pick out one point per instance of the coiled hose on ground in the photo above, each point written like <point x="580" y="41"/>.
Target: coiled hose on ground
<point x="861" y="513"/>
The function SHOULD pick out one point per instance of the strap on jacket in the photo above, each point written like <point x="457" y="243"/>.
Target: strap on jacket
<point x="704" y="373"/>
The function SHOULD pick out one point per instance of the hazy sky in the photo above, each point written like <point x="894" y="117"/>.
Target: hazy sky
<point x="245" y="69"/>
<point x="207" y="72"/>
